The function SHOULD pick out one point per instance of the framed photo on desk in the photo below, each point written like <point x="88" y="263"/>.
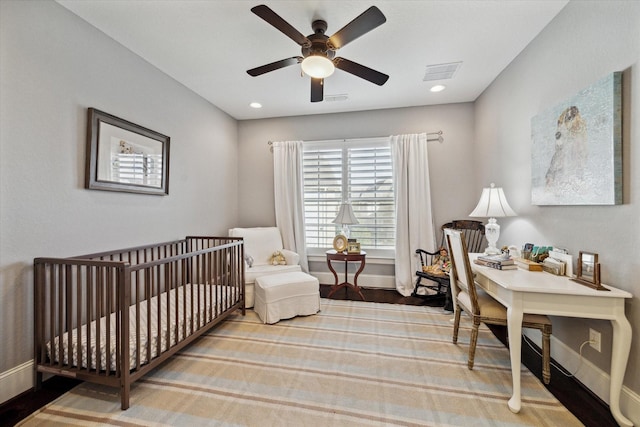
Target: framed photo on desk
<point x="588" y="273"/>
<point x="587" y="266"/>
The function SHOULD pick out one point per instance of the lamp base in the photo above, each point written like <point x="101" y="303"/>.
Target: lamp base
<point x="345" y="230"/>
<point x="492" y="232"/>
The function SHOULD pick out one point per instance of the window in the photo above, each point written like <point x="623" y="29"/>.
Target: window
<point x="355" y="170"/>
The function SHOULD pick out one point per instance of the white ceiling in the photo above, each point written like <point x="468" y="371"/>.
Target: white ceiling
<point x="208" y="45"/>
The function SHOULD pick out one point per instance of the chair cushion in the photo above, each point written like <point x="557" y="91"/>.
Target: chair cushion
<point x="286" y="295"/>
<point x="250" y="274"/>
<point x="259" y="242"/>
<point x="490" y="308"/>
<point x="276" y="287"/>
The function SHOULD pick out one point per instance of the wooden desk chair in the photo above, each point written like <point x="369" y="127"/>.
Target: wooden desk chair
<point x="436" y="282"/>
<point x="483" y="308"/>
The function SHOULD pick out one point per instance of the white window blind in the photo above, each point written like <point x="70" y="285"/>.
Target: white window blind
<point x="355" y="170"/>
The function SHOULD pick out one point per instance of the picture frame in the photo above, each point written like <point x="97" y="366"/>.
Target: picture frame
<point x="353" y="248"/>
<point x="576" y="148"/>
<point x="588" y="271"/>
<point x="340" y="243"/>
<point x="123" y="156"/>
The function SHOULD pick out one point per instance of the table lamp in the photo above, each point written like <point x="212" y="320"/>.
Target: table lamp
<point x="345" y="217"/>
<point x="492" y="204"/>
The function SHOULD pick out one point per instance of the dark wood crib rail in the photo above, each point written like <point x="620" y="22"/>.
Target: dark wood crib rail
<point x="117" y="299"/>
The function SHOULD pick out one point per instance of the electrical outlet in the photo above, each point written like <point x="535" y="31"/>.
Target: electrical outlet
<point x="594" y="339"/>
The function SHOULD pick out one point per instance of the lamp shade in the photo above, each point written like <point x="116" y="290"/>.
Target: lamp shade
<point x="317" y="66"/>
<point x="345" y="215"/>
<point x="492" y="204"/>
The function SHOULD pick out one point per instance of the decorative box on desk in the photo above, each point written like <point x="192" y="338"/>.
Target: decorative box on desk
<point x="527" y="264"/>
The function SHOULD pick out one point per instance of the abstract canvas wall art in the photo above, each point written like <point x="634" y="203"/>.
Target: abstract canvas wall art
<point x="576" y="150"/>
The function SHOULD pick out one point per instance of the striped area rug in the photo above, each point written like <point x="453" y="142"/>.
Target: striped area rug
<point x="352" y="364"/>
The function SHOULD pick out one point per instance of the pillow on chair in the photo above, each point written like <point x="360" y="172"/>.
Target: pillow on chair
<point x="259" y="242"/>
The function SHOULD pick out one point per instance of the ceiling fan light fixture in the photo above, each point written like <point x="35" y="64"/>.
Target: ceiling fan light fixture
<point x="317" y="66"/>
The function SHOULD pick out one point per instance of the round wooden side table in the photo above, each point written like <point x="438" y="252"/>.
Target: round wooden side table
<point x="345" y="257"/>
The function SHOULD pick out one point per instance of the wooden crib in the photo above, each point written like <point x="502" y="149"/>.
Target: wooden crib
<point x="111" y="317"/>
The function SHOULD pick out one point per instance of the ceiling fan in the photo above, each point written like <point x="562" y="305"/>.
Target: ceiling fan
<point x="318" y="58"/>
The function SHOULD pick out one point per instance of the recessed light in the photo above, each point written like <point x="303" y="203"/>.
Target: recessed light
<point x="438" y="88"/>
<point x="255" y="105"/>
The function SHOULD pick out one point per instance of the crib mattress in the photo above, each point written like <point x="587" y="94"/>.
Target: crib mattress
<point x="168" y="330"/>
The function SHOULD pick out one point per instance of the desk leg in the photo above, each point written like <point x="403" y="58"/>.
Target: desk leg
<point x="619" y="358"/>
<point x="514" y="327"/>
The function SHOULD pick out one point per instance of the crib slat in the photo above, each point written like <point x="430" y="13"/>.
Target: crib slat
<point x="199" y="280"/>
<point x="136" y="297"/>
<point x="99" y="284"/>
<point x="158" y="308"/>
<point x="52" y="309"/>
<point x="167" y="291"/>
<point x="123" y="363"/>
<point x="78" y="310"/>
<point x="60" y="313"/>
<point x="147" y="276"/>
<point x="107" y="327"/>
<point x="90" y="284"/>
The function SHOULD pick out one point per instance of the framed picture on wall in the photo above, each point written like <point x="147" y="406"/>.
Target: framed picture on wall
<point x="123" y="156"/>
<point x="576" y="149"/>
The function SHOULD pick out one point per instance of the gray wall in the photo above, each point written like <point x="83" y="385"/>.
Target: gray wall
<point x="55" y="66"/>
<point x="585" y="42"/>
<point x="255" y="201"/>
<point x="256" y="204"/>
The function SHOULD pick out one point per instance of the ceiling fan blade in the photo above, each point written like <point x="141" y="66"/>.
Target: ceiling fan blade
<point x="317" y="90"/>
<point x="361" y="71"/>
<point x="276" y="20"/>
<point x="274" y="66"/>
<point x="367" y="21"/>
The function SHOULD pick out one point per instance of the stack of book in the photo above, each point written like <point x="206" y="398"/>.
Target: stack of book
<point x="499" y="262"/>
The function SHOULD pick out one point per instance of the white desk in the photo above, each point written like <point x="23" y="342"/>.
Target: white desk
<point x="538" y="292"/>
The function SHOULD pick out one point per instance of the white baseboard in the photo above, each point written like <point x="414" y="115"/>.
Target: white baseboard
<point x="16" y="380"/>
<point x="372" y="281"/>
<point x="594" y="378"/>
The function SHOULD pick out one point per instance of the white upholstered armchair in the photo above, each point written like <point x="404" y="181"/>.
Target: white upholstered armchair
<point x="259" y="245"/>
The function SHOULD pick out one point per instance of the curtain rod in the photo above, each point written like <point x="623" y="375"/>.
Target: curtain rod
<point x="439" y="138"/>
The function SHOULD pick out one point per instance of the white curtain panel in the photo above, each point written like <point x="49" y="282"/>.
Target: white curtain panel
<point x="414" y="220"/>
<point x="288" y="185"/>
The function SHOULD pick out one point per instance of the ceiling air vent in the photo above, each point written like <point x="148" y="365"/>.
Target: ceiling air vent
<point x="340" y="97"/>
<point x="441" y="71"/>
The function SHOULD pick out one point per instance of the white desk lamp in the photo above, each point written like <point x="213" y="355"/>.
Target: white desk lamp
<point x="346" y="217"/>
<point x="492" y="204"/>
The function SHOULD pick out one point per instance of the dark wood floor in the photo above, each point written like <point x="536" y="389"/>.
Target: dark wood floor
<point x="587" y="407"/>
